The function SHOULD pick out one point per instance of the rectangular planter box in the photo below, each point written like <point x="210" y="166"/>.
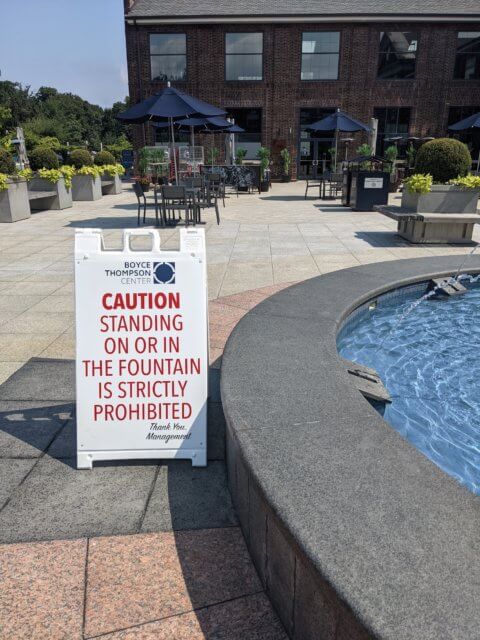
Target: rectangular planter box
<point x="61" y="197"/>
<point x="86" y="188"/>
<point x="14" y="203"/>
<point x="111" y="185"/>
<point x="443" y="198"/>
<point x="424" y="232"/>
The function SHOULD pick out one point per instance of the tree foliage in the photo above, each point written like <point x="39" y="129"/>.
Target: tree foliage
<point x="62" y="116"/>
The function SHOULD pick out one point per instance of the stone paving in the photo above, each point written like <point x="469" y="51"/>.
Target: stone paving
<point x="140" y="550"/>
<point x="263" y="240"/>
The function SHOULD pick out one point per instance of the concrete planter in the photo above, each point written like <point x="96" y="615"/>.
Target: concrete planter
<point x="61" y="196"/>
<point x="14" y="203"/>
<point x="111" y="185"/>
<point x="86" y="188"/>
<point x="443" y="198"/>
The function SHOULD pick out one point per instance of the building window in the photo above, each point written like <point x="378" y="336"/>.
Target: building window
<point x="471" y="137"/>
<point x="393" y="122"/>
<point x="320" y="53"/>
<point x="249" y="119"/>
<point x="168" y="56"/>
<point x="398" y="52"/>
<point x="467" y="61"/>
<point x="244" y="56"/>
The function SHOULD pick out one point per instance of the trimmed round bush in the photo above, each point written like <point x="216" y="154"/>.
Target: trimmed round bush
<point x="444" y="159"/>
<point x="7" y="165"/>
<point x="43" y="158"/>
<point x="104" y="157"/>
<point x="80" y="158"/>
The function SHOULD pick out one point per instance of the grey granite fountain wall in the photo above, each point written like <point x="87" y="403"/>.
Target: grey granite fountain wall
<point x="355" y="534"/>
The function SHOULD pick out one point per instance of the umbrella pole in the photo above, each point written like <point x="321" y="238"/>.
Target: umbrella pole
<point x="478" y="163"/>
<point x="192" y="140"/>
<point x="336" y="150"/>
<point x="173" y="150"/>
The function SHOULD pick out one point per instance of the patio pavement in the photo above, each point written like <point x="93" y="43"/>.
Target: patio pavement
<point x="263" y="240"/>
<point x="167" y="560"/>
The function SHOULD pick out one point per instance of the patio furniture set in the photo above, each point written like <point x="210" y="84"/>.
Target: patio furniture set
<point x="189" y="197"/>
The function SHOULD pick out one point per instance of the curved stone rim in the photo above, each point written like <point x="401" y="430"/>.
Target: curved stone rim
<point x="336" y="507"/>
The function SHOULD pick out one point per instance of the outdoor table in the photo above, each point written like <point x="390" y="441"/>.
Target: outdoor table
<point x="191" y="193"/>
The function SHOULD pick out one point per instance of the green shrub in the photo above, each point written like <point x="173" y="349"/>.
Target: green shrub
<point x="104" y="157"/>
<point x="7" y="165"/>
<point x="43" y="158"/>
<point x="444" y="159"/>
<point x="80" y="158"/>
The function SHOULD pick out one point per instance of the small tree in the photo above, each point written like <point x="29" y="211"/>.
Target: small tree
<point x="411" y="153"/>
<point x="212" y="155"/>
<point x="286" y="160"/>
<point x="240" y="155"/>
<point x="364" y="150"/>
<point x="143" y="160"/>
<point x="263" y="154"/>
<point x="391" y="154"/>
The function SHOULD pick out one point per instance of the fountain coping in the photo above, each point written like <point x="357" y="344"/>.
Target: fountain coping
<point x="366" y="513"/>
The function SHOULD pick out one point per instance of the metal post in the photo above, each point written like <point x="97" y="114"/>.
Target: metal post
<point x="336" y="151"/>
<point x="373" y="135"/>
<point x="173" y="150"/>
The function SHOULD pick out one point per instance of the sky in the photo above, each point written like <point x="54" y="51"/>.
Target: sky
<point x="75" y="46"/>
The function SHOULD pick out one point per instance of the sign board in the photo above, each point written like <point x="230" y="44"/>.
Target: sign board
<point x="142" y="349"/>
<point x="373" y="183"/>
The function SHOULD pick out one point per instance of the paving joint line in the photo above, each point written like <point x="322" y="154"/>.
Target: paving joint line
<point x="175" y="615"/>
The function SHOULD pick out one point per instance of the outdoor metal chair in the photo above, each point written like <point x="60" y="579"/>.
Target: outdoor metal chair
<point x="175" y="199"/>
<point x="314" y="183"/>
<point x="217" y="185"/>
<point x="333" y="183"/>
<point x="194" y="182"/>
<point x="206" y="198"/>
<point x="142" y="202"/>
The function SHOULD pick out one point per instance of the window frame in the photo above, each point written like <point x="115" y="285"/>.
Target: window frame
<point x="381" y="134"/>
<point x="380" y="52"/>
<point x="454" y="76"/>
<point x="340" y="36"/>
<point x="166" y="55"/>
<point x="262" y="79"/>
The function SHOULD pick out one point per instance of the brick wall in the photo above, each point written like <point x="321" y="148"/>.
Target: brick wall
<point x="282" y="94"/>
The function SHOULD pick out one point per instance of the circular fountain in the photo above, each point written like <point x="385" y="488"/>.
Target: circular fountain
<point x="354" y="531"/>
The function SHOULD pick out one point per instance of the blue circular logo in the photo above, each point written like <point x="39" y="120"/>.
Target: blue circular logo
<point x="164" y="273"/>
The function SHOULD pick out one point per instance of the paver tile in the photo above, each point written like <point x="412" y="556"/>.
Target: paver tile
<point x="42" y="590"/>
<point x="164" y="574"/>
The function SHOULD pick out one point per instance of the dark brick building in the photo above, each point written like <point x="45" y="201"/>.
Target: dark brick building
<point x="278" y="65"/>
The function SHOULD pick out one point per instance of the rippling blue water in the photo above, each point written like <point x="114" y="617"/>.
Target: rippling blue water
<point x="429" y="361"/>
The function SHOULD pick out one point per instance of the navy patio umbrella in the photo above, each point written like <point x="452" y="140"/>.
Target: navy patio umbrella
<point x="472" y="122"/>
<point x="167" y="106"/>
<point x="338" y="121"/>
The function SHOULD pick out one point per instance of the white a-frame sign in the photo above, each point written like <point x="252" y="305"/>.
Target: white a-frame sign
<point x="142" y="349"/>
